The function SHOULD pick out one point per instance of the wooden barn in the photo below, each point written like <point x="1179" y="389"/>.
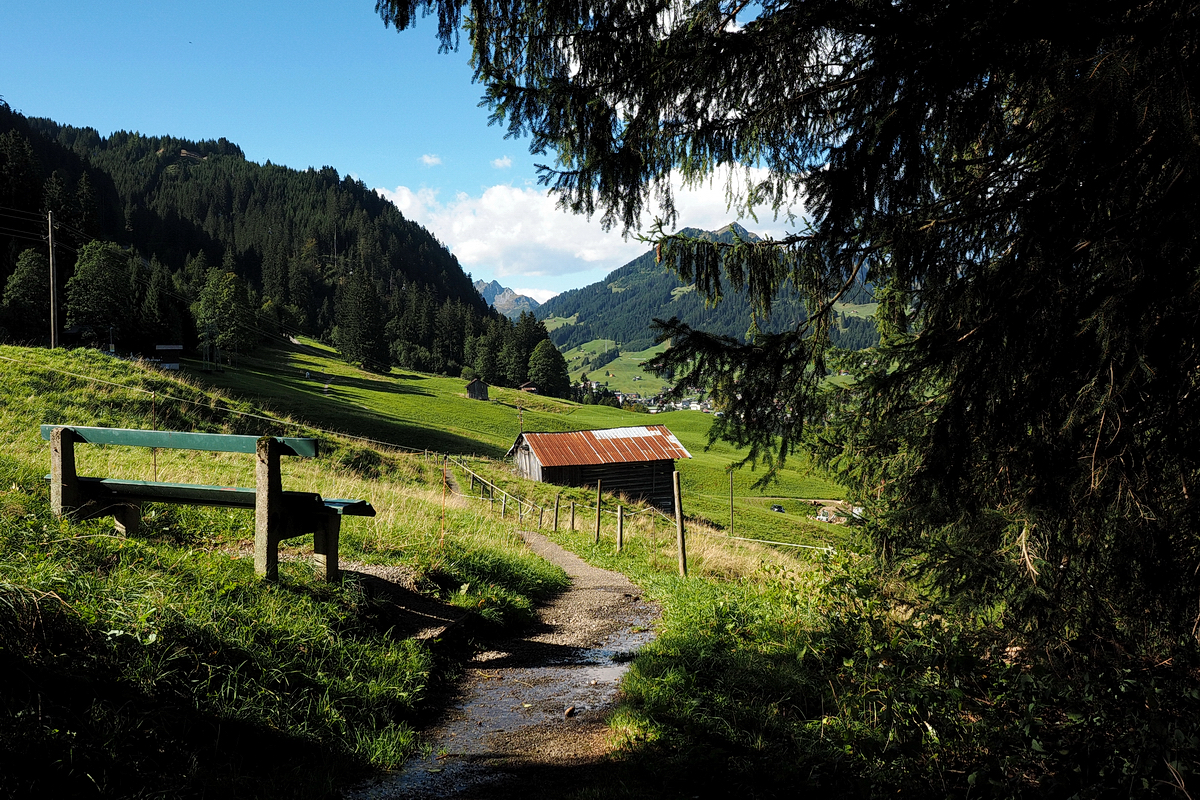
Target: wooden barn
<point x="477" y="390"/>
<point x="637" y="462"/>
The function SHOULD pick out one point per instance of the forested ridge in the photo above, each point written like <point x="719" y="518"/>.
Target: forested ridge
<point x="223" y="252"/>
<point x="622" y="306"/>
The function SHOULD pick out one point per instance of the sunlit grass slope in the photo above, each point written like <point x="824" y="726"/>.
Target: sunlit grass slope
<point x="160" y="664"/>
<point x="618" y="374"/>
<point x="429" y="412"/>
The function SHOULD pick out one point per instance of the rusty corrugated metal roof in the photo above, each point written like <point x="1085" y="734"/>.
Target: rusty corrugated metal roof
<point x="611" y="446"/>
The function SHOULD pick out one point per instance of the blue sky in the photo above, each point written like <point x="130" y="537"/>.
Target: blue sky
<point x="320" y="83"/>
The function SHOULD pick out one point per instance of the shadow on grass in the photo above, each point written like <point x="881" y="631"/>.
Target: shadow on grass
<point x="71" y="727"/>
<point x="341" y="412"/>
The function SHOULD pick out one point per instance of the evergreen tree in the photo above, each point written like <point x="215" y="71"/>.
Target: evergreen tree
<point x="518" y="347"/>
<point x="360" y="333"/>
<point x="55" y="198"/>
<point x="488" y="346"/>
<point x="87" y="206"/>
<point x="1021" y="191"/>
<point x="20" y="173"/>
<point x="160" y="315"/>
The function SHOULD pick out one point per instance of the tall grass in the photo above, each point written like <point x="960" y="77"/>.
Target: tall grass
<point x="160" y="664"/>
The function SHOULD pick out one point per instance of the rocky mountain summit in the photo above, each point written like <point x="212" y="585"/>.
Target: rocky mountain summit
<point x="505" y="300"/>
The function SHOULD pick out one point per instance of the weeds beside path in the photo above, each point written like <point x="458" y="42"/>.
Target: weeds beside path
<point x="531" y="713"/>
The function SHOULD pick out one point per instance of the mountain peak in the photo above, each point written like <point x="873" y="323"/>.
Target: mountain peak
<point x="505" y="300"/>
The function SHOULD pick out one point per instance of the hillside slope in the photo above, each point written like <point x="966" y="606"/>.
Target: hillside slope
<point x="621" y="307"/>
<point x="160" y="664"/>
<point x="294" y="236"/>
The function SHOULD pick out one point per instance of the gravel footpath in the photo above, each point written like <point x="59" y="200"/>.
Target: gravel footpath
<point x="532" y="709"/>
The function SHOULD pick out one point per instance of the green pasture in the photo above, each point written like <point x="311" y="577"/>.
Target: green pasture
<point x="860" y="310"/>
<point x="554" y="323"/>
<point x="159" y="663"/>
<point x="621" y="372"/>
<point x="420" y="411"/>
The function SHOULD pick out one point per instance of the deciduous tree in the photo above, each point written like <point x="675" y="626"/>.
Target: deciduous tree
<point x="223" y="313"/>
<point x="548" y="370"/>
<point x="98" y="293"/>
<point x="26" y="308"/>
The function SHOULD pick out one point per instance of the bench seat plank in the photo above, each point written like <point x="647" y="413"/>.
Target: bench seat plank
<point x="193" y="494"/>
<point x="349" y="508"/>
<point x="185" y="440"/>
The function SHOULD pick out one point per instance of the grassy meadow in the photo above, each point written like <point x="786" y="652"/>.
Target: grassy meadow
<point x="625" y="374"/>
<point x="422" y="412"/>
<point x="160" y="664"/>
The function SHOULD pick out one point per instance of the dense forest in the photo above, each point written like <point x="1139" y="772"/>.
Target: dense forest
<point x="621" y="306"/>
<point x="207" y="249"/>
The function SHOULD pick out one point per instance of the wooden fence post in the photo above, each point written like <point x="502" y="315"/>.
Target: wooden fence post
<point x="599" y="506"/>
<point x="679" y="526"/>
<point x="503" y="504"/>
<point x="731" y="502"/>
<point x="557" y="498"/>
<point x="541" y="511"/>
<point x="620" y="527"/>
<point x="572" y="516"/>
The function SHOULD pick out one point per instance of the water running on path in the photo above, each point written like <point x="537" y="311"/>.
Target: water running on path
<point x="533" y="709"/>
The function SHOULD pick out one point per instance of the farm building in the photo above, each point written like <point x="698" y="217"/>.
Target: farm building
<point x="477" y="390"/>
<point x="637" y="462"/>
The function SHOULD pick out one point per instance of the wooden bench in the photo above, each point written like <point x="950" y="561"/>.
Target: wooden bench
<point x="278" y="515"/>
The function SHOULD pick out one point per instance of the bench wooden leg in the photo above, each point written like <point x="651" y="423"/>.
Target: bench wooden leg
<point x="269" y="518"/>
<point x="325" y="547"/>
<point x="128" y="519"/>
<point x="64" y="483"/>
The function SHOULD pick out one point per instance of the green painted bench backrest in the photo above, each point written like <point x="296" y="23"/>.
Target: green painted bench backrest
<point x="180" y="440"/>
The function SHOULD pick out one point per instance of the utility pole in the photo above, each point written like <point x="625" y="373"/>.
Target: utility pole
<point x="53" y="283"/>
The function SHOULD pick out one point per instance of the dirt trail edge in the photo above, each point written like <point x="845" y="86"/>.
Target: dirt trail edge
<point x="531" y="715"/>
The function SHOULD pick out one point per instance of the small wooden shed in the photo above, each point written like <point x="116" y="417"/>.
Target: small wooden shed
<point x="477" y="390"/>
<point x="636" y="461"/>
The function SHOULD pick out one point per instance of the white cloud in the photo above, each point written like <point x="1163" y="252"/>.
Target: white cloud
<point x="504" y="162"/>
<point x="430" y="160"/>
<point x="512" y="231"/>
<point x="541" y="295"/>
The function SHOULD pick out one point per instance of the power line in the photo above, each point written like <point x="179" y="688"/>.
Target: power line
<point x="32" y="214"/>
<point x="20" y="234"/>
